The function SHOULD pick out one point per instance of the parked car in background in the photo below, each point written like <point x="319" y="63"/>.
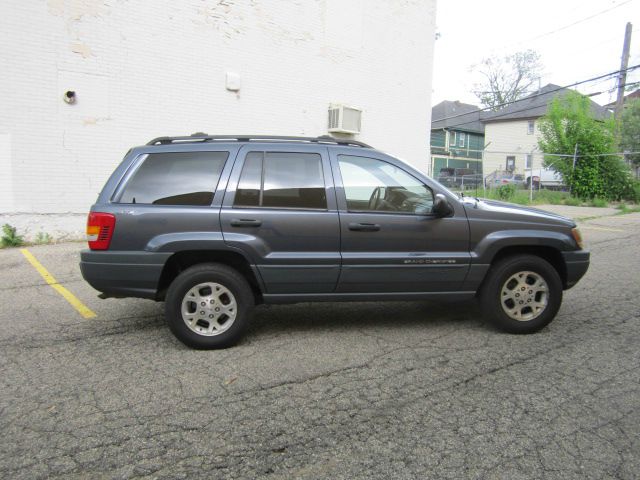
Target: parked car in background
<point x="459" y="178"/>
<point x="543" y="178"/>
<point x="503" y="177"/>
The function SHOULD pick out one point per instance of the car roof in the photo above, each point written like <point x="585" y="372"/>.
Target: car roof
<point x="199" y="138"/>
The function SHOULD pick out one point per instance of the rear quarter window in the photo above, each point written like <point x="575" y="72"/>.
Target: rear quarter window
<point x="176" y="178"/>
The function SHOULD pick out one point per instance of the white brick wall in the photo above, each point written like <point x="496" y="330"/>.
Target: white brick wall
<point x="142" y="69"/>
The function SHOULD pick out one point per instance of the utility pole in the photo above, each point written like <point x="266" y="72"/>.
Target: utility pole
<point x="484" y="186"/>
<point x="573" y="169"/>
<point x="622" y="79"/>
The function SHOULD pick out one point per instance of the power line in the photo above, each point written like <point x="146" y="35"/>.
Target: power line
<point x="575" y="23"/>
<point x="511" y="112"/>
<point x="534" y="95"/>
<point x="498" y="116"/>
<point x="609" y="90"/>
<point x="588" y="49"/>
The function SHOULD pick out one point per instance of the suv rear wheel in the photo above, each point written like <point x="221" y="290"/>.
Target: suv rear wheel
<point x="521" y="294"/>
<point x="209" y="306"/>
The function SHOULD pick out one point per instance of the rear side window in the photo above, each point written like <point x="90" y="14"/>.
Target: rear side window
<point x="282" y="180"/>
<point x="180" y="178"/>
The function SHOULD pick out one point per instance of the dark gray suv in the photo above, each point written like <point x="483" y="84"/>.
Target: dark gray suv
<point x="214" y="225"/>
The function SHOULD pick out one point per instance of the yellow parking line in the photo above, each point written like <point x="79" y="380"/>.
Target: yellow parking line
<point x="68" y="296"/>
<point x="601" y="229"/>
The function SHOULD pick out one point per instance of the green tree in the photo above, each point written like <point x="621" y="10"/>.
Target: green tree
<point x="506" y="79"/>
<point x="630" y="130"/>
<point x="569" y="121"/>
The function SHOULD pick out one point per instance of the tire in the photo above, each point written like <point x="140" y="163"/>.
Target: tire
<point x="224" y="304"/>
<point x="521" y="294"/>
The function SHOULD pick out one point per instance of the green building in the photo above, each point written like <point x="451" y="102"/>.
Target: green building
<point x="457" y="137"/>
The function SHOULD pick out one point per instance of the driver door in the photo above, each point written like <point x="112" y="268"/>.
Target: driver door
<point x="390" y="239"/>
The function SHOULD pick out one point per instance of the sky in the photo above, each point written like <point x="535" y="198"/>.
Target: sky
<point x="572" y="46"/>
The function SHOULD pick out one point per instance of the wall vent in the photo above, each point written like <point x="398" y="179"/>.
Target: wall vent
<point x="344" y="119"/>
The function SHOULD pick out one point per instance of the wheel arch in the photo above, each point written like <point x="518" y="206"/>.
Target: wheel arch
<point x="180" y="261"/>
<point x="546" y="252"/>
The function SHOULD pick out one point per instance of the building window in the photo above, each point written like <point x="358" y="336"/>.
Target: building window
<point x="511" y="163"/>
<point x="461" y="139"/>
<point x="452" y="139"/>
<point x="528" y="160"/>
<point x="530" y="127"/>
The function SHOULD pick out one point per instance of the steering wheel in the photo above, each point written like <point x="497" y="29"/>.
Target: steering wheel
<point x="374" y="200"/>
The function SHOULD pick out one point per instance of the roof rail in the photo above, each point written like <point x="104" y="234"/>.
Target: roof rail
<point x="203" y="137"/>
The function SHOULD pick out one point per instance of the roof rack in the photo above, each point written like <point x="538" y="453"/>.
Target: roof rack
<point x="203" y="137"/>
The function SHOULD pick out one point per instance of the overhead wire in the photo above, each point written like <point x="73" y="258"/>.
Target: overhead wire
<point x="539" y="93"/>
<point x="560" y="29"/>
<point x="576" y="22"/>
<point x="511" y="112"/>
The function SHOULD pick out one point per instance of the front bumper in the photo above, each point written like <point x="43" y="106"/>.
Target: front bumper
<point x="123" y="274"/>
<point x="577" y="264"/>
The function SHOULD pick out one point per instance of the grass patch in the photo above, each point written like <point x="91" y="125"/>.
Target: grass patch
<point x="43" y="238"/>
<point x="573" y="202"/>
<point x="599" y="203"/>
<point x="624" y="208"/>
<point x="540" y="197"/>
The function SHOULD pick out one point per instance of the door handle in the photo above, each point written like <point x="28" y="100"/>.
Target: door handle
<point x="364" y="227"/>
<point x="245" y="222"/>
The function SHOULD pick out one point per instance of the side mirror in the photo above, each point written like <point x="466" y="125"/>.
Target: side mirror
<point x="441" y="207"/>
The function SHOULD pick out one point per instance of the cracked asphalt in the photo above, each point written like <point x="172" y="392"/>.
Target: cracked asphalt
<point x="367" y="390"/>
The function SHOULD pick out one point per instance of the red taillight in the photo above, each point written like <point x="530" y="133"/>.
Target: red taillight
<point x="100" y="228"/>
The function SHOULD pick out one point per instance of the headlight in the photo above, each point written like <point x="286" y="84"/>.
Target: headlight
<point x="577" y="236"/>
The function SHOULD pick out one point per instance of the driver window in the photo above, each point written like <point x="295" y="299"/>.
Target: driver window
<point x="372" y="185"/>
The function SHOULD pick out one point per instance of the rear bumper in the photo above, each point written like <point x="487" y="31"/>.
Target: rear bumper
<point x="123" y="274"/>
<point x="577" y="264"/>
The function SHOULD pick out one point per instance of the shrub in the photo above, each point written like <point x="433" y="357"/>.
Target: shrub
<point x="9" y="237"/>
<point x="597" y="172"/>
<point x="634" y="194"/>
<point x="506" y="192"/>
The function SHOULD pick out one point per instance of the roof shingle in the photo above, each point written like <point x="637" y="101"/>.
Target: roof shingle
<point x="535" y="105"/>
<point x="448" y="108"/>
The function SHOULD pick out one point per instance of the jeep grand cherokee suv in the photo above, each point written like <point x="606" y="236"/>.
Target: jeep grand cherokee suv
<point x="213" y="225"/>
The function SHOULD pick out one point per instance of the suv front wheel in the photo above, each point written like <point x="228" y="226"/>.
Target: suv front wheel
<point x="209" y="306"/>
<point x="521" y="294"/>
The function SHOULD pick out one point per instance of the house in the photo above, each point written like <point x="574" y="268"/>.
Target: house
<point x="457" y="137"/>
<point x="511" y="134"/>
<point x="87" y="80"/>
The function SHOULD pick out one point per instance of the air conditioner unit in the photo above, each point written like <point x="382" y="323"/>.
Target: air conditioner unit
<point x="344" y="119"/>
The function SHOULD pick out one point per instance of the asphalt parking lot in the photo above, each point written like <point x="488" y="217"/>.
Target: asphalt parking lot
<point x="367" y="390"/>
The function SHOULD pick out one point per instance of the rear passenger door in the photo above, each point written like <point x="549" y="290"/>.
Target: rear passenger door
<point x="280" y="211"/>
